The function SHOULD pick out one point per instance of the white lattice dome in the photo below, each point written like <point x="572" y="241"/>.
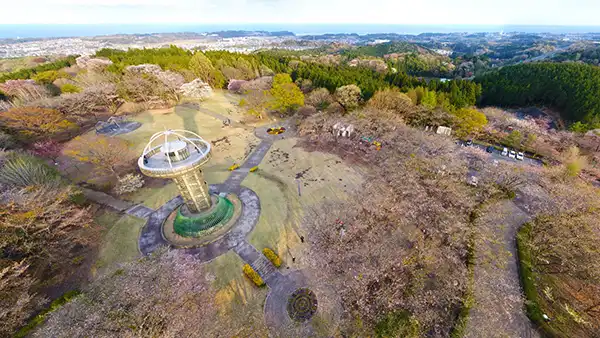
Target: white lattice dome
<point x="173" y="151"/>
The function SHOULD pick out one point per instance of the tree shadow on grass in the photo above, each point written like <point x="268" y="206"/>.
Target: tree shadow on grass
<point x="187" y="112"/>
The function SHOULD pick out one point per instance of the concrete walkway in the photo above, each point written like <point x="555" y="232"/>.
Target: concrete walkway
<point x="136" y="210"/>
<point x="234" y="181"/>
<point x="151" y="237"/>
<point x="499" y="301"/>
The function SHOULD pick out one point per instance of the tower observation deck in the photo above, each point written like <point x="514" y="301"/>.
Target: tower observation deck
<point x="179" y="155"/>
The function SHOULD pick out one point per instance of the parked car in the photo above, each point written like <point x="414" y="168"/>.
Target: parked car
<point x="505" y="151"/>
<point x="520" y="155"/>
<point x="512" y="154"/>
<point x="489" y="149"/>
<point x="469" y="143"/>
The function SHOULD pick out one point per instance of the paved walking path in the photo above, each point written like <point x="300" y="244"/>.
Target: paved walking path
<point x="223" y="118"/>
<point x="136" y="210"/>
<point x="499" y="307"/>
<point x="151" y="237"/>
<point x="233" y="182"/>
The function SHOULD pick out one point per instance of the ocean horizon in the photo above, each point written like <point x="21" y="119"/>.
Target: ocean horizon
<point x="22" y="31"/>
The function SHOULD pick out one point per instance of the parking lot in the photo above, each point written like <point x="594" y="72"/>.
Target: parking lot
<point x="497" y="155"/>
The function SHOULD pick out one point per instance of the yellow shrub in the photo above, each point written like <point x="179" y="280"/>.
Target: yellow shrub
<point x="272" y="256"/>
<point x="253" y="275"/>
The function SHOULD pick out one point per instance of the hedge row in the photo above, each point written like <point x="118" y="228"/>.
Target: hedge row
<point x="41" y="317"/>
<point x="253" y="275"/>
<point x="272" y="256"/>
<point x="528" y="277"/>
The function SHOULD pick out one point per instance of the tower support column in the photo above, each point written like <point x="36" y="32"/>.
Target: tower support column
<point x="194" y="190"/>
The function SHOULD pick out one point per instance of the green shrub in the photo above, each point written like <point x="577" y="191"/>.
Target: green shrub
<point x="253" y="275"/>
<point x="397" y="324"/>
<point x="527" y="274"/>
<point x="69" y="88"/>
<point x="27" y="73"/>
<point x="77" y="197"/>
<point x="528" y="278"/>
<point x="272" y="256"/>
<point x="55" y="305"/>
<point x="22" y="170"/>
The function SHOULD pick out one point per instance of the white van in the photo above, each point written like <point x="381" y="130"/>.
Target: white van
<point x="520" y="156"/>
<point x="505" y="151"/>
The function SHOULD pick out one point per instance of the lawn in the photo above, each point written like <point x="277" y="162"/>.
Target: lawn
<point x="240" y="301"/>
<point x="283" y="205"/>
<point x="229" y="143"/>
<point x="120" y="243"/>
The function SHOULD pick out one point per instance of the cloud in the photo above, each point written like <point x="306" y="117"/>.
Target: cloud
<point x="107" y="3"/>
<point x="461" y="12"/>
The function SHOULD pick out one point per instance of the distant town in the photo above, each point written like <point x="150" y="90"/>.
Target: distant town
<point x="247" y="42"/>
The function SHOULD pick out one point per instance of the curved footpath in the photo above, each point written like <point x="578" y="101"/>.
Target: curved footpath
<point x="280" y="286"/>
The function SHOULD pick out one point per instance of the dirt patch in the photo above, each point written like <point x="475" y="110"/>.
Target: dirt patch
<point x="277" y="156"/>
<point x="224" y="139"/>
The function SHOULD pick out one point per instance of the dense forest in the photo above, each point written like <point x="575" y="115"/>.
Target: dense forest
<point x="172" y="58"/>
<point x="571" y="88"/>
<point x="381" y="49"/>
<point x="225" y="66"/>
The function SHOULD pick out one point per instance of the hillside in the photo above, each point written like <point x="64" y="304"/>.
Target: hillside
<point x="571" y="88"/>
<point x="585" y="54"/>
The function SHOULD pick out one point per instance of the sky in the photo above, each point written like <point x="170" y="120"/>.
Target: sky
<point x="404" y="12"/>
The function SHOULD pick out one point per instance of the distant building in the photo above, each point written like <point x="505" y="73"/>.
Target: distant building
<point x="343" y="130"/>
<point x="378" y="41"/>
<point x="444" y="130"/>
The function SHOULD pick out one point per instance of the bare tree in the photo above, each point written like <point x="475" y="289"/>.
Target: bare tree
<point x="319" y="98"/>
<point x="41" y="231"/>
<point x="164" y="295"/>
<point x="109" y="155"/>
<point x="400" y="244"/>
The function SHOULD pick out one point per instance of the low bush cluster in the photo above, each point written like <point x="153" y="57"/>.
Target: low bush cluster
<point x="272" y="256"/>
<point x="253" y="275"/>
<point x="20" y="171"/>
<point x="129" y="183"/>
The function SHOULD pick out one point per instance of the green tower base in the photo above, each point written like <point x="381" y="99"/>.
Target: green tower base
<point x="196" y="225"/>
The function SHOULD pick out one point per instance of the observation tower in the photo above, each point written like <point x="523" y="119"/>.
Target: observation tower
<point x="180" y="155"/>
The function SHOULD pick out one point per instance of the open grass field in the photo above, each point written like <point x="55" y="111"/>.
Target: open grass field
<point x="229" y="144"/>
<point x="286" y="167"/>
<point x="120" y="243"/>
<point x="13" y="64"/>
